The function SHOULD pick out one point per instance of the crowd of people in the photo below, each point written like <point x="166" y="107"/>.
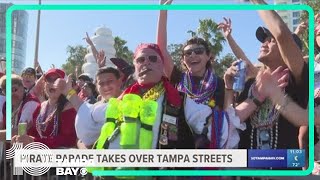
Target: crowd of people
<point x="190" y="108"/>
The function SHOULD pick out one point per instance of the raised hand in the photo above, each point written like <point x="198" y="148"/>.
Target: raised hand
<point x="101" y="59"/>
<point x="225" y="27"/>
<point x="230" y="74"/>
<point x="39" y="69"/>
<point x="63" y="85"/>
<point x="88" y="40"/>
<point x="267" y="83"/>
<point x="301" y="28"/>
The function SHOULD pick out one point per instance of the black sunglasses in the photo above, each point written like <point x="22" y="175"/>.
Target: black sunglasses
<point x="152" y="58"/>
<point x="51" y="79"/>
<point x="197" y="51"/>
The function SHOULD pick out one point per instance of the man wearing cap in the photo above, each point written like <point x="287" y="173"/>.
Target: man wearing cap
<point x="266" y="127"/>
<point x="126" y="72"/>
<point x="29" y="77"/>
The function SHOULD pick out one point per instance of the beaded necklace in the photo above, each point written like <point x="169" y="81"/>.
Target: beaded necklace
<point x="154" y="93"/>
<point x="14" y="119"/>
<point x="263" y="120"/>
<point x="203" y="94"/>
<point x="44" y="119"/>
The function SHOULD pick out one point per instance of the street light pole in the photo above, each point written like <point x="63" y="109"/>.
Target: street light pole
<point x="36" y="62"/>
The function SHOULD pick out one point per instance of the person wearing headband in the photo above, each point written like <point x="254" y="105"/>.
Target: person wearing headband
<point x="134" y="120"/>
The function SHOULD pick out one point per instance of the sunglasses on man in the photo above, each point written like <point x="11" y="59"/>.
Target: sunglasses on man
<point x="197" y="51"/>
<point x="152" y="58"/>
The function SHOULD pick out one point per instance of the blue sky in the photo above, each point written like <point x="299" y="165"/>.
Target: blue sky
<point x="62" y="28"/>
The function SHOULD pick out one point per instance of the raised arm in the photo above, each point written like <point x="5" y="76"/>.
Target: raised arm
<point x="93" y="47"/>
<point x="236" y="49"/>
<point x="66" y="87"/>
<point x="162" y="39"/>
<point x="290" y="52"/>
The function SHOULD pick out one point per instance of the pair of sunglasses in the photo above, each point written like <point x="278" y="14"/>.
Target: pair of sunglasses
<point x="197" y="51"/>
<point x="152" y="58"/>
<point x="51" y="79"/>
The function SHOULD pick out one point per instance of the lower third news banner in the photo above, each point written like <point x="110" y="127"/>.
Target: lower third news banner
<point x="280" y="158"/>
<point x="130" y="158"/>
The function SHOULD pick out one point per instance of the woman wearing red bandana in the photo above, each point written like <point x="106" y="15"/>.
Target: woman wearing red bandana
<point x="54" y="126"/>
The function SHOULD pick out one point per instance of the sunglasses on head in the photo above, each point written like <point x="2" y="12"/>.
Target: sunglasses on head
<point x="51" y="79"/>
<point x="29" y="71"/>
<point x="152" y="58"/>
<point x="197" y="51"/>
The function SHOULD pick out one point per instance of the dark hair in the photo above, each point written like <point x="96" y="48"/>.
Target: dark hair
<point x="29" y="70"/>
<point x="111" y="70"/>
<point x="84" y="77"/>
<point x="92" y="87"/>
<point x="62" y="101"/>
<point x="198" y="41"/>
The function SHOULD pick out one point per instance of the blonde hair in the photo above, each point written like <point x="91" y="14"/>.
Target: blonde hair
<point x="15" y="79"/>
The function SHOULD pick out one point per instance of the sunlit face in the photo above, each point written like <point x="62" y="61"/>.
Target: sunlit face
<point x="28" y="80"/>
<point x="50" y="89"/>
<point x="148" y="66"/>
<point x="269" y="52"/>
<point x="86" y="90"/>
<point x="17" y="94"/>
<point x="195" y="58"/>
<point x="108" y="85"/>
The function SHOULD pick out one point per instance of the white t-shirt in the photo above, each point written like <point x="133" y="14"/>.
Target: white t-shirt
<point x="90" y="119"/>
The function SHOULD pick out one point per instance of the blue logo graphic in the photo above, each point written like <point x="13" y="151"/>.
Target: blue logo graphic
<point x="296" y="158"/>
<point x="267" y="158"/>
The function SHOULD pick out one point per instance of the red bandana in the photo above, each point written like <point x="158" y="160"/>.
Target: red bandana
<point x="172" y="93"/>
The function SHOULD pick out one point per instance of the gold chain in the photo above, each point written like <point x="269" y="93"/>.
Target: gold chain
<point x="154" y="93"/>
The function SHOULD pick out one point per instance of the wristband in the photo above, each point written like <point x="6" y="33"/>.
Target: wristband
<point x="70" y="93"/>
<point x="256" y="102"/>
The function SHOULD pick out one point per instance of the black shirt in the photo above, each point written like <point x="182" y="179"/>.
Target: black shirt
<point x="287" y="132"/>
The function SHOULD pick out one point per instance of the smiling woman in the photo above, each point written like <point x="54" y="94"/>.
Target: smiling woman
<point x="55" y="124"/>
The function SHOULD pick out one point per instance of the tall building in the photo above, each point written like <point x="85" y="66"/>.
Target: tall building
<point x="19" y="36"/>
<point x="291" y="18"/>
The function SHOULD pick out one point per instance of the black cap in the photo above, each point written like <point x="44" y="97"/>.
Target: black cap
<point x="84" y="77"/>
<point x="262" y="33"/>
<point x="122" y="66"/>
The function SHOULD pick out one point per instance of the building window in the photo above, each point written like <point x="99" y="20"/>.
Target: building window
<point x="295" y="1"/>
<point x="295" y="21"/>
<point x="296" y="14"/>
